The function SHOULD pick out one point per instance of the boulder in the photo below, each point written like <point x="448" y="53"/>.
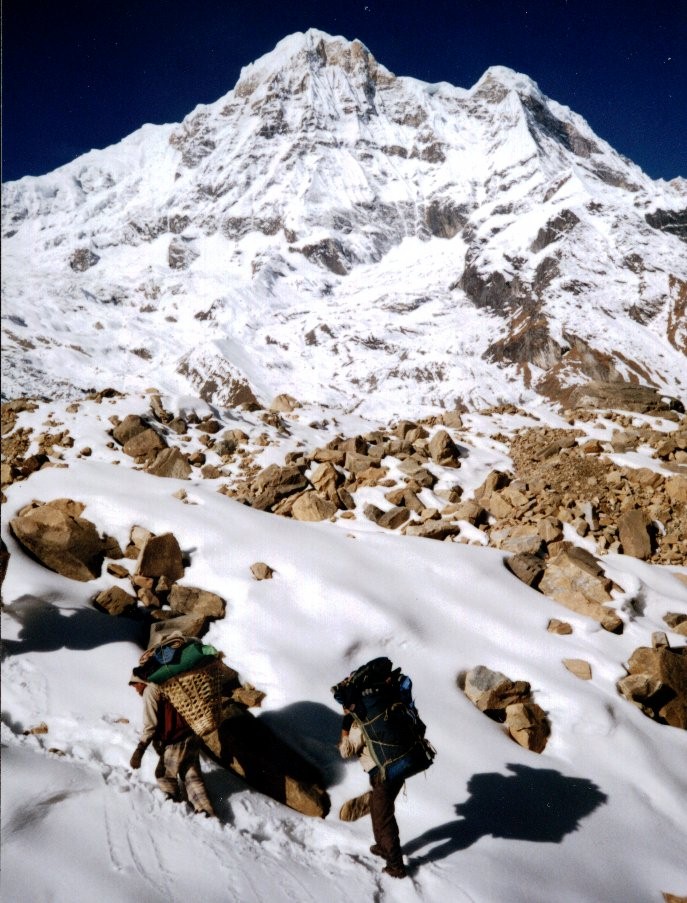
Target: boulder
<point x="326" y="479"/>
<point x="526" y="567"/>
<point x="443" y="450"/>
<point x="161" y="556"/>
<point x="198" y="602"/>
<point x="115" y="601"/>
<point x="170" y="462"/>
<point x="492" y="691"/>
<point x="144" y="444"/>
<point x="247" y="746"/>
<point x="575" y="579"/>
<point x="657" y="683"/>
<point x="64" y="543"/>
<point x="528" y="725"/>
<point x="131" y="426"/>
<point x="394" y="518"/>
<point x="633" y="531"/>
<point x="313" y="507"/>
<point x="275" y="482"/>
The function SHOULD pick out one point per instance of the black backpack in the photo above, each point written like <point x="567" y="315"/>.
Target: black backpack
<point x="379" y="697"/>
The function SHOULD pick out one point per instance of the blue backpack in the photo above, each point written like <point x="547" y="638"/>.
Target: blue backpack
<point x="380" y="699"/>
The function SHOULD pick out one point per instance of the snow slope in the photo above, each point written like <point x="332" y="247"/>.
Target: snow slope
<point x="599" y="816"/>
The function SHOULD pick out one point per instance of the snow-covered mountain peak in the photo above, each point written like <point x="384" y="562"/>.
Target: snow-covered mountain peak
<point x="350" y="237"/>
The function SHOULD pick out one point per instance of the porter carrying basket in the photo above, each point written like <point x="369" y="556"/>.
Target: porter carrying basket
<point x="196" y="695"/>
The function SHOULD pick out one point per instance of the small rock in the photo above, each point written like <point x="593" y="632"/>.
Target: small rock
<point x="579" y="668"/>
<point x="261" y="571"/>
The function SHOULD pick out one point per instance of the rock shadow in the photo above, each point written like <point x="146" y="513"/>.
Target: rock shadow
<point x="45" y="627"/>
<point x="535" y="804"/>
<point x="314" y="730"/>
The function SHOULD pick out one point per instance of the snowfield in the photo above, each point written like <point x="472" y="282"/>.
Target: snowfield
<point x="599" y="816"/>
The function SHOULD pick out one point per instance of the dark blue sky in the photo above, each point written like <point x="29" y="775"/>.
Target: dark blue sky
<point x="79" y="75"/>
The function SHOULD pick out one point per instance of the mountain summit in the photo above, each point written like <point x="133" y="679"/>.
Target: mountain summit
<point x="351" y="237"/>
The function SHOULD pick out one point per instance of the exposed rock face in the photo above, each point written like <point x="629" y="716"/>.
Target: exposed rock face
<point x="61" y="539"/>
<point x="633" y="529"/>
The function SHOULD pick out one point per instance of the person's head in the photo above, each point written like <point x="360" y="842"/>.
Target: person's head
<point x="139" y="687"/>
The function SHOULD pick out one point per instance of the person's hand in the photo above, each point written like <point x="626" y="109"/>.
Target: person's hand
<point x="346" y="748"/>
<point x="137" y="756"/>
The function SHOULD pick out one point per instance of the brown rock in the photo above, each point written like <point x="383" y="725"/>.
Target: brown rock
<point x="560" y="627"/>
<point x="143" y="444"/>
<point x="394" y="518"/>
<point x="284" y="404"/>
<point x="633" y="530"/>
<point x="526" y="567"/>
<point x="131" y="426"/>
<point x="579" y="667"/>
<point x="115" y="601"/>
<point x="311" y="506"/>
<point x="574" y="578"/>
<point x="117" y="570"/>
<point x="443" y="450"/>
<point x="161" y="555"/>
<point x="199" y="602"/>
<point x="261" y="571"/>
<point x="68" y="545"/>
<point x="657" y="682"/>
<point x="433" y="529"/>
<point x="491" y="690"/>
<point x="248" y="696"/>
<point x="528" y="725"/>
<point x="170" y="462"/>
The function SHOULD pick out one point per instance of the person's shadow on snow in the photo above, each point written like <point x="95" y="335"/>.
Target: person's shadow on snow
<point x="536" y="804"/>
<point x="46" y="627"/>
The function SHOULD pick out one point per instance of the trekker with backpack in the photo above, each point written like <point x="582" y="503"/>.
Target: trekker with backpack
<point x="382" y="727"/>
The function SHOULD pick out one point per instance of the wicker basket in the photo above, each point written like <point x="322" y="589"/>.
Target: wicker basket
<point x="196" y="696"/>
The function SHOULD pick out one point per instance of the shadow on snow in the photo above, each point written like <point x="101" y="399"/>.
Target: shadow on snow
<point x="535" y="804"/>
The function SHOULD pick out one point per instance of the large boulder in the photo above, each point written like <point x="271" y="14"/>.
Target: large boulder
<point x="144" y="444"/>
<point x="528" y="725"/>
<point x="62" y="541"/>
<point x="657" y="683"/>
<point x="633" y="530"/>
<point x="161" y="556"/>
<point x="443" y="450"/>
<point x="575" y="579"/>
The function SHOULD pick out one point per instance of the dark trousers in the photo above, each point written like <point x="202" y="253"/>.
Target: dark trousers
<point x="384" y="826"/>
